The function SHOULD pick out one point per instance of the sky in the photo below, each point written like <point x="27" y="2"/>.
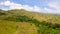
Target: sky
<point x="43" y="6"/>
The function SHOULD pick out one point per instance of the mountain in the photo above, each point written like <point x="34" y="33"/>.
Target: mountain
<point x="28" y="22"/>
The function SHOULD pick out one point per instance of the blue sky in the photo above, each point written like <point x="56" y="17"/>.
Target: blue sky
<point x="45" y="6"/>
<point x="40" y="3"/>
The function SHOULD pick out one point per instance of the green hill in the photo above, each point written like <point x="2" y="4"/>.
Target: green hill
<point x="28" y="22"/>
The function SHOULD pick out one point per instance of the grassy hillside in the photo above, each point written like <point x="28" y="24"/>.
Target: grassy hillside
<point x="39" y="16"/>
<point x="9" y="27"/>
<point x="25" y="22"/>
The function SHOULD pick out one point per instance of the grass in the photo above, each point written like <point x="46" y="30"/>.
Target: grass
<point x="23" y="22"/>
<point x="10" y="27"/>
<point x="42" y="27"/>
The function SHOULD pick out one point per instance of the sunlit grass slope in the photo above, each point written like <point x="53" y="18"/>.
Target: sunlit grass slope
<point x="25" y="22"/>
<point x="10" y="27"/>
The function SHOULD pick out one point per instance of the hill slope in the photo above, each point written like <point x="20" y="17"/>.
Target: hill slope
<point x="25" y="22"/>
<point x="39" y="16"/>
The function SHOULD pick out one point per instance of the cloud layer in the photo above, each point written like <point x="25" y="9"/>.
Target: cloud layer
<point x="13" y="5"/>
<point x="54" y="7"/>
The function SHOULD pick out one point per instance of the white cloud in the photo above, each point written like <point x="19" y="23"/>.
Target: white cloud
<point x="50" y="10"/>
<point x="37" y="8"/>
<point x="55" y="5"/>
<point x="13" y="5"/>
<point x="7" y="3"/>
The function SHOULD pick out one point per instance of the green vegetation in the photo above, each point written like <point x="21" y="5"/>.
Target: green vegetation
<point x="10" y="27"/>
<point x="20" y="22"/>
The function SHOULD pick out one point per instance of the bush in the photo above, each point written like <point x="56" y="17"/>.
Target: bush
<point x="23" y="18"/>
<point x="19" y="18"/>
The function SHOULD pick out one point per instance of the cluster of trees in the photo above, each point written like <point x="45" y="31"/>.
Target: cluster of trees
<point x="36" y="22"/>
